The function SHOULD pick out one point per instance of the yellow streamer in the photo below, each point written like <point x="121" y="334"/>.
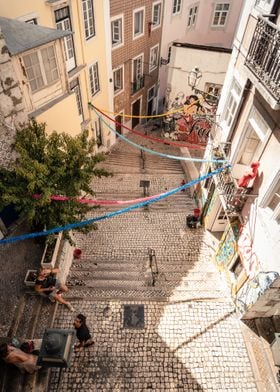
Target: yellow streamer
<point x="185" y="107"/>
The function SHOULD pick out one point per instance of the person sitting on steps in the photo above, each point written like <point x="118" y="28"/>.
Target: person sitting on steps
<point x="49" y="285"/>
<point x="15" y="356"/>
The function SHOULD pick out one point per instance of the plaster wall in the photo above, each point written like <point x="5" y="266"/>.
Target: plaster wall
<point x="212" y="64"/>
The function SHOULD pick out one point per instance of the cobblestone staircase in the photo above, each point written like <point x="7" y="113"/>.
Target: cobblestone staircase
<point x="119" y="266"/>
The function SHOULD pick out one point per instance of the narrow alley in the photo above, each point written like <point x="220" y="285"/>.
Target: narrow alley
<point x="160" y="323"/>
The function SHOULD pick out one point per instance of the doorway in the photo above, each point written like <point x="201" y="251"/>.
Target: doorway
<point x="119" y="120"/>
<point x="136" y="112"/>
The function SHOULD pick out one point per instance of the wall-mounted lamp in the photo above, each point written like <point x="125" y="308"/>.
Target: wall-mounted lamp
<point x="194" y="77"/>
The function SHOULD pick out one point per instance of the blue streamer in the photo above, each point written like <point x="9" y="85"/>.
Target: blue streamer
<point x="152" y="151"/>
<point x="75" y="225"/>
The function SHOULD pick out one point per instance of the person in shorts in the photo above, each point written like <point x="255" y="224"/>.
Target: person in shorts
<point x="48" y="284"/>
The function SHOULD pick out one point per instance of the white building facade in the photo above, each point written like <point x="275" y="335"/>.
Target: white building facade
<point x="248" y="212"/>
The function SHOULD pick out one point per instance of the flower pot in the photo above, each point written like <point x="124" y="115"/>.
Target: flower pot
<point x="77" y="254"/>
<point x="30" y="278"/>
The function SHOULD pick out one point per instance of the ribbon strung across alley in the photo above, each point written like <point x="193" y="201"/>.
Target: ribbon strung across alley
<point x="178" y="158"/>
<point x="76" y="225"/>
<point x="164" y="141"/>
<point x="98" y="202"/>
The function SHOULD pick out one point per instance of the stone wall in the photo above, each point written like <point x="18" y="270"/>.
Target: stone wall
<point x="12" y="112"/>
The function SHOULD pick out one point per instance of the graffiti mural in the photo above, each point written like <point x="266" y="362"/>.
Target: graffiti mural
<point x="254" y="289"/>
<point x="194" y="119"/>
<point x="249" y="258"/>
<point x="228" y="245"/>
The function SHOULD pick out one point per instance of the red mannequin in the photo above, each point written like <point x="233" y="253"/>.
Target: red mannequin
<point x="243" y="182"/>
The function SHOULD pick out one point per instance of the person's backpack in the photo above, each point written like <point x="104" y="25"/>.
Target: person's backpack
<point x="27" y="347"/>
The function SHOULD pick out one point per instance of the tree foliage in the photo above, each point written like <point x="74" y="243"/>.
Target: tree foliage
<point x="56" y="164"/>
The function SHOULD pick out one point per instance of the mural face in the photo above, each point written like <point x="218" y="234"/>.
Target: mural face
<point x="251" y="291"/>
<point x="193" y="123"/>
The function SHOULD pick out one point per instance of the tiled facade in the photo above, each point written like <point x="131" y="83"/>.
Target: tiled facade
<point x="123" y="55"/>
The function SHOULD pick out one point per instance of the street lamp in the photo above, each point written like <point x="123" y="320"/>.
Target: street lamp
<point x="194" y="77"/>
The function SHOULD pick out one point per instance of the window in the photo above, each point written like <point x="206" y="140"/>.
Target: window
<point x="94" y="79"/>
<point x="88" y="18"/>
<point x="192" y="16"/>
<point x="137" y="73"/>
<point x="63" y="22"/>
<point x="274" y="202"/>
<point x="249" y="147"/>
<point x="41" y="68"/>
<point x="214" y="91"/>
<point x="232" y="103"/>
<point x="169" y="54"/>
<point x="237" y="268"/>
<point x="138" y="23"/>
<point x="75" y="87"/>
<point x="32" y="21"/>
<point x="156" y="19"/>
<point x="153" y="63"/>
<point x="220" y="14"/>
<point x="118" y="80"/>
<point x="117" y="31"/>
<point x="177" y="6"/>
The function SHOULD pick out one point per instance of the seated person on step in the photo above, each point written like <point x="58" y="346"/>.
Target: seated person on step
<point x="49" y="285"/>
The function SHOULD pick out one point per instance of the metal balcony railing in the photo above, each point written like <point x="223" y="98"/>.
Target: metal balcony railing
<point x="137" y="84"/>
<point x="233" y="197"/>
<point x="263" y="58"/>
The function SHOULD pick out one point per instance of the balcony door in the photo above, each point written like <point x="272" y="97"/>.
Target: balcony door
<point x="136" y="109"/>
<point x="63" y="22"/>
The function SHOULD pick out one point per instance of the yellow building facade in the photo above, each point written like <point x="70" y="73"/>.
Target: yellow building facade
<point x="84" y="65"/>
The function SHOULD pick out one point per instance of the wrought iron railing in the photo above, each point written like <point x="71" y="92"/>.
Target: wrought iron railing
<point x="233" y="196"/>
<point x="263" y="58"/>
<point x="137" y="84"/>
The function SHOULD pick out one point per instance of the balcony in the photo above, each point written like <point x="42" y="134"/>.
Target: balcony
<point x="137" y="85"/>
<point x="263" y="58"/>
<point x="232" y="197"/>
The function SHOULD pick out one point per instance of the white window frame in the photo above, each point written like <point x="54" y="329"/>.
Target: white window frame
<point x="138" y="35"/>
<point x="120" y="68"/>
<point x="257" y="123"/>
<point x="42" y="68"/>
<point x="220" y="14"/>
<point x="121" y="41"/>
<point x="94" y="83"/>
<point x="268" y="196"/>
<point x="153" y="66"/>
<point x="89" y="27"/>
<point x="233" y="98"/>
<point x="192" y="17"/>
<point x="177" y="7"/>
<point x="142" y="68"/>
<point x="156" y="24"/>
<point x="154" y="98"/>
<point x="65" y="23"/>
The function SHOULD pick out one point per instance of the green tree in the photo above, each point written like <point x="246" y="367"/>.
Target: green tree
<point x="56" y="164"/>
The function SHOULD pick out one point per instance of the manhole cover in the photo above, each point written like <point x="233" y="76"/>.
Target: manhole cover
<point x="133" y="316"/>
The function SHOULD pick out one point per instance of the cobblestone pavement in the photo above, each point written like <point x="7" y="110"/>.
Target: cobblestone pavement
<point x="191" y="338"/>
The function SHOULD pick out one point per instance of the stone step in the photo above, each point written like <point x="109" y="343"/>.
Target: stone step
<point x="190" y="276"/>
<point x="150" y="293"/>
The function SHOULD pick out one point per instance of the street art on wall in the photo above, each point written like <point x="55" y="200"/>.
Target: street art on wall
<point x="228" y="245"/>
<point x="254" y="289"/>
<point x="193" y="123"/>
<point x="249" y="258"/>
